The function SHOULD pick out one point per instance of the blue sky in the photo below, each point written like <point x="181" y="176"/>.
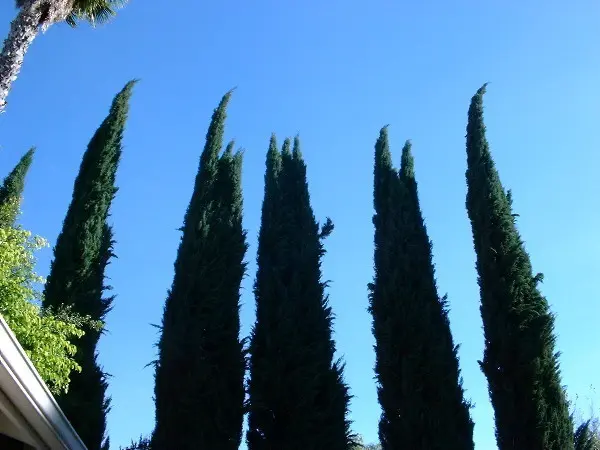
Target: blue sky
<point x="335" y="72"/>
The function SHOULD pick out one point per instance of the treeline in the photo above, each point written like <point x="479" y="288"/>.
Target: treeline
<point x="285" y="377"/>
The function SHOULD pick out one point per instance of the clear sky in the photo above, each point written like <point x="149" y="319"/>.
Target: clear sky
<point x="336" y="72"/>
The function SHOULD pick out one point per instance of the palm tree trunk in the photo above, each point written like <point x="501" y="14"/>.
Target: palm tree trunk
<point x="33" y="16"/>
<point x="23" y="30"/>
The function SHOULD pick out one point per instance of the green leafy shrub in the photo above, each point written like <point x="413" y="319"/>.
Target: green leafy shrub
<point x="45" y="335"/>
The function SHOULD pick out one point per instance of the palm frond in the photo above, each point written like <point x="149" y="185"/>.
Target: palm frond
<point x="93" y="11"/>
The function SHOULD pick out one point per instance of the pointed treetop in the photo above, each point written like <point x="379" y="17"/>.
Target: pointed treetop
<point x="214" y="138"/>
<point x="297" y="152"/>
<point x="130" y="84"/>
<point x="230" y="168"/>
<point x="384" y="174"/>
<point x="407" y="165"/>
<point x="273" y="144"/>
<point x="221" y="109"/>
<point x="120" y="105"/>
<point x="124" y="94"/>
<point x="286" y="149"/>
<point x="29" y="155"/>
<point x="219" y="115"/>
<point x="229" y="149"/>
<point x="477" y="145"/>
<point x="238" y="158"/>
<point x="383" y="156"/>
<point x="114" y="122"/>
<point x="476" y="107"/>
<point x="273" y="154"/>
<point x="13" y="185"/>
<point x="273" y="160"/>
<point x="104" y="148"/>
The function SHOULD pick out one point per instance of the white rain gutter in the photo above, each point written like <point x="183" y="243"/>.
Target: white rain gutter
<point x="26" y="401"/>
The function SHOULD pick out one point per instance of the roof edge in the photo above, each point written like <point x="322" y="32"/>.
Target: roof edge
<point x="27" y="391"/>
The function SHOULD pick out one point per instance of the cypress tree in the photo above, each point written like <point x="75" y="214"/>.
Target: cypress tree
<point x="82" y="251"/>
<point x="420" y="389"/>
<point x="586" y="436"/>
<point x="199" y="390"/>
<point x="519" y="361"/>
<point x="13" y="185"/>
<point x="297" y="395"/>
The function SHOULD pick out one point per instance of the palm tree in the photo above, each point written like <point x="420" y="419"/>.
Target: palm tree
<point x="37" y="15"/>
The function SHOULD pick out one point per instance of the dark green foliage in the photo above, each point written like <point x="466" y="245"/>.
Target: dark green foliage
<point x="519" y="361"/>
<point x="199" y="391"/>
<point x="143" y="443"/>
<point x="298" y="398"/>
<point x="83" y="250"/>
<point x="586" y="436"/>
<point x="13" y="185"/>
<point x="420" y="389"/>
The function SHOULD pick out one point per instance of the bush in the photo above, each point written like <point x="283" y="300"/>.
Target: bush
<point x="46" y="336"/>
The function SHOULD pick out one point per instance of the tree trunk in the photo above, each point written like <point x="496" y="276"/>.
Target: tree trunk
<point x="34" y="15"/>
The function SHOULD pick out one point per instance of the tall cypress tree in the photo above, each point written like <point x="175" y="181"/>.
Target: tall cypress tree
<point x="83" y="249"/>
<point x="298" y="399"/>
<point x="420" y="389"/>
<point x="586" y="436"/>
<point x="199" y="391"/>
<point x="13" y="185"/>
<point x="519" y="361"/>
